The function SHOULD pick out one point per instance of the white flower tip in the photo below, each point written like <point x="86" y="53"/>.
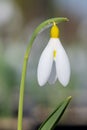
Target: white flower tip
<point x="65" y="81"/>
<point x="41" y="84"/>
<point x="41" y="80"/>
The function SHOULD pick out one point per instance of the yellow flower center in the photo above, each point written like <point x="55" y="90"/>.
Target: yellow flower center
<point x="54" y="53"/>
<point x="54" y="31"/>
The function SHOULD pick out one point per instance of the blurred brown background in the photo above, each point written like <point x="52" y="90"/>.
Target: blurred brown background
<point x="18" y="19"/>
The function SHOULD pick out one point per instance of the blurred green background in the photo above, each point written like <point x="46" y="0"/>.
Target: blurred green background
<point x="18" y="19"/>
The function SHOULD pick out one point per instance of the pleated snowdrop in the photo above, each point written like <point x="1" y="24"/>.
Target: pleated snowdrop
<point x="54" y="62"/>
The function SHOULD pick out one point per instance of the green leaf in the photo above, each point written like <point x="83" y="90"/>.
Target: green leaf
<point x="54" y="118"/>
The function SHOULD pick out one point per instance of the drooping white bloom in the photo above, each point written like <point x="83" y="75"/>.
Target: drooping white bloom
<point x="53" y="63"/>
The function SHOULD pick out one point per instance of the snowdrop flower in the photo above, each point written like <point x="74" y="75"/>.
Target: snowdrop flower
<point x="53" y="63"/>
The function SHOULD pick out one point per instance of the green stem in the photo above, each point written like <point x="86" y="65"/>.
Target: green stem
<point x="46" y="23"/>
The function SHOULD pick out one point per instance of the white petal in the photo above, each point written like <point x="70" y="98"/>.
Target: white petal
<point x="45" y="64"/>
<point x="53" y="76"/>
<point x="62" y="65"/>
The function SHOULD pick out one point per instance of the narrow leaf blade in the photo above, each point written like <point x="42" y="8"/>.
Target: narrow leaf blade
<point x="53" y="119"/>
